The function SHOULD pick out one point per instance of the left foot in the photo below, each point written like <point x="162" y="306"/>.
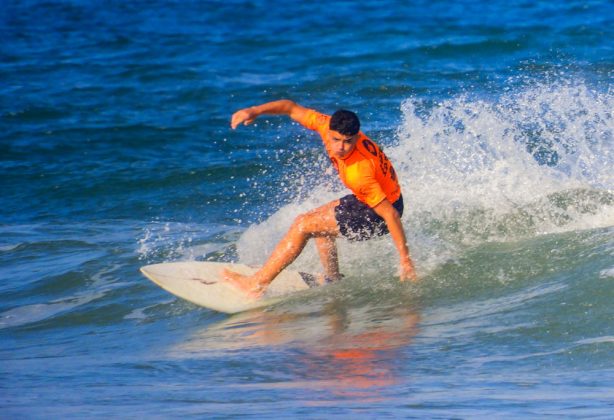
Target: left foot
<point x="246" y="284"/>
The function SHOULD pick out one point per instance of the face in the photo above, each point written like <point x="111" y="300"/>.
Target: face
<point x="341" y="145"/>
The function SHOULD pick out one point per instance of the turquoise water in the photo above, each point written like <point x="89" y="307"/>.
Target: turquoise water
<point x="116" y="152"/>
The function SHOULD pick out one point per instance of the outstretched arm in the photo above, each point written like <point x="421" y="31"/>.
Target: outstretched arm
<point x="287" y="107"/>
<point x="390" y="215"/>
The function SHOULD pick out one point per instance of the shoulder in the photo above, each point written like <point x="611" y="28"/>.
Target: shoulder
<point x="366" y="150"/>
<point x="367" y="146"/>
<point x="315" y="120"/>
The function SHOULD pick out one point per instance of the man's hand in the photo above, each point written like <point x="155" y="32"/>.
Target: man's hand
<point x="390" y="215"/>
<point x="245" y="116"/>
<point x="407" y="271"/>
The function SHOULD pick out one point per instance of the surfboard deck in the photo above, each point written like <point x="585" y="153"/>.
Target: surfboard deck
<point x="202" y="284"/>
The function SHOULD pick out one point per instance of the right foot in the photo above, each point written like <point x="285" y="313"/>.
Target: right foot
<point x="247" y="284"/>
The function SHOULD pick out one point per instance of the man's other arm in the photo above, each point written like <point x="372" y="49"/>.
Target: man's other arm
<point x="390" y="215"/>
<point x="287" y="107"/>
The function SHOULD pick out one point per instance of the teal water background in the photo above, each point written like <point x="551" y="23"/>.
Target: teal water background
<point x="116" y="152"/>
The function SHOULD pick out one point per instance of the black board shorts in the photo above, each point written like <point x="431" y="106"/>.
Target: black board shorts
<point x="358" y="222"/>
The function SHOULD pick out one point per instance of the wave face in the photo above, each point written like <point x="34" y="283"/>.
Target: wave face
<point x="534" y="161"/>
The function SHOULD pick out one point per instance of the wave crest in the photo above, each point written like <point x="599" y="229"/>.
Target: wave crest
<point x="535" y="160"/>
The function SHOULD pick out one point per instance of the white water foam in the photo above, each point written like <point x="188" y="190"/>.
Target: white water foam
<point x="478" y="153"/>
<point x="538" y="160"/>
<point x="172" y="241"/>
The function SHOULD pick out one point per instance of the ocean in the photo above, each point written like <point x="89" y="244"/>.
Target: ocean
<point x="116" y="152"/>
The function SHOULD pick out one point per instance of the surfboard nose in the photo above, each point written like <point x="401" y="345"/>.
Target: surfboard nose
<point x="200" y="282"/>
<point x="148" y="271"/>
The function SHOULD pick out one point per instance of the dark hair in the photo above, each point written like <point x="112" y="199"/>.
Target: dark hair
<point x="345" y="122"/>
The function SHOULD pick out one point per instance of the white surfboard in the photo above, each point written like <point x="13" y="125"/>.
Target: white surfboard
<point x="201" y="283"/>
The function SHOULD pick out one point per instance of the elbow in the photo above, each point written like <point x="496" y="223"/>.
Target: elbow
<point x="390" y="213"/>
<point x="288" y="104"/>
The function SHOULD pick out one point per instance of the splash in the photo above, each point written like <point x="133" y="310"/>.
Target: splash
<point x="533" y="161"/>
<point x="537" y="161"/>
<point x="171" y="241"/>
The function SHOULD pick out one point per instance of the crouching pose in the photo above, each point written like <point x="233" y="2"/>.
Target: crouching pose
<point x="374" y="208"/>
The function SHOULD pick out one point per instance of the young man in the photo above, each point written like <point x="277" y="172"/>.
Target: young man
<point x="374" y="208"/>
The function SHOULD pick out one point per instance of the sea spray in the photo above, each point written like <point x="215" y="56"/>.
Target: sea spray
<point x="471" y="162"/>
<point x="533" y="161"/>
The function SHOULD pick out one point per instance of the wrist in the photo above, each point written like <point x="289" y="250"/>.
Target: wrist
<point x="407" y="264"/>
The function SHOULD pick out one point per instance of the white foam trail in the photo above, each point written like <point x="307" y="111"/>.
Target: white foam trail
<point x="607" y="273"/>
<point x="470" y="172"/>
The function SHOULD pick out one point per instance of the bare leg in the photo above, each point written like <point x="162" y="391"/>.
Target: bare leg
<point x="327" y="248"/>
<point x="316" y="223"/>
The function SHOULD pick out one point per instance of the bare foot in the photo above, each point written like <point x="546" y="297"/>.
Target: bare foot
<point x="246" y="284"/>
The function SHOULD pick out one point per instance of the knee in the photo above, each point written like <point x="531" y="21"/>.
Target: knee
<point x="302" y="224"/>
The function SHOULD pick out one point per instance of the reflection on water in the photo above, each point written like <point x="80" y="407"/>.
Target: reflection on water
<point x="346" y="351"/>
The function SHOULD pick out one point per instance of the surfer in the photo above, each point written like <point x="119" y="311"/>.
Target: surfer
<point x="374" y="209"/>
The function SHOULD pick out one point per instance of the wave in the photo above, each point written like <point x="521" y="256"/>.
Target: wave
<point x="535" y="160"/>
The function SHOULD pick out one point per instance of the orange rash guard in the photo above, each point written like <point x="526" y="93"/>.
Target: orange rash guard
<point x="366" y="171"/>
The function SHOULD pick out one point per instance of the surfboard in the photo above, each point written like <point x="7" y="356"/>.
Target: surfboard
<point x="202" y="284"/>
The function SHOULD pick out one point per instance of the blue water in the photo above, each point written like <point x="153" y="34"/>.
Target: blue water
<point x="116" y="152"/>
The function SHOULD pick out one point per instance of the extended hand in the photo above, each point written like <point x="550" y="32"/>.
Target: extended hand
<point x="245" y="116"/>
<point x="407" y="271"/>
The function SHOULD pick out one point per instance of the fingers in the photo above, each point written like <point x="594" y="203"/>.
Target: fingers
<point x="412" y="277"/>
<point x="236" y="119"/>
<point x="241" y="116"/>
<point x="408" y="273"/>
